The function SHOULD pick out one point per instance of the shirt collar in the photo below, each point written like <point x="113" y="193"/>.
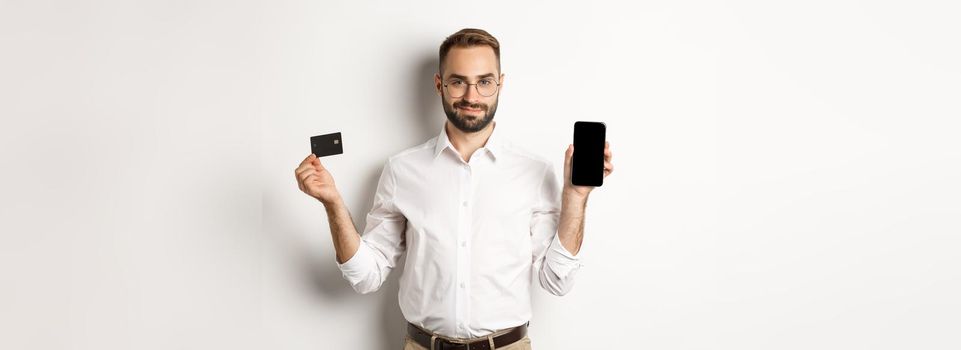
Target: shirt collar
<point x="493" y="145"/>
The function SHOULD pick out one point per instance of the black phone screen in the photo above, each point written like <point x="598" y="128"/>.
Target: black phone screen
<point x="587" y="163"/>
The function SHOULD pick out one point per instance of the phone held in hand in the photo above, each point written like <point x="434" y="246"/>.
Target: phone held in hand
<point x="587" y="163"/>
<point x="326" y="145"/>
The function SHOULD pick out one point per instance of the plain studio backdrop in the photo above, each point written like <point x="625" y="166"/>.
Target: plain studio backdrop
<point x="788" y="176"/>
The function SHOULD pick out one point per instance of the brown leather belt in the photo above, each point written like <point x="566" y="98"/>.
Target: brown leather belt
<point x="423" y="337"/>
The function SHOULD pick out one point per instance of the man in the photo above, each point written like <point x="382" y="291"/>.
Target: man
<point x="479" y="217"/>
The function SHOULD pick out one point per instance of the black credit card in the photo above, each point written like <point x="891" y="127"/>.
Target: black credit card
<point x="326" y="145"/>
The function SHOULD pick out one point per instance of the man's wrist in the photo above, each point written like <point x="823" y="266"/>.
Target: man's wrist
<point x="333" y="203"/>
<point x="573" y="203"/>
<point x="570" y="195"/>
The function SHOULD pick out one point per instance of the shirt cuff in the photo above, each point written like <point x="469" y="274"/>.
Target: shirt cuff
<point x="358" y="266"/>
<point x="561" y="261"/>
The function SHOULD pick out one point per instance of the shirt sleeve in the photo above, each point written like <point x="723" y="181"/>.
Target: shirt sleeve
<point x="554" y="266"/>
<point x="382" y="242"/>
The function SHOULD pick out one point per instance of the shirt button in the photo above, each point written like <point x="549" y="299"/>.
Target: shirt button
<point x="463" y="244"/>
<point x="464" y="204"/>
<point x="462" y="284"/>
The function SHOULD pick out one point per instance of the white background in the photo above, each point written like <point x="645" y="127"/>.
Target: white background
<point x="787" y="175"/>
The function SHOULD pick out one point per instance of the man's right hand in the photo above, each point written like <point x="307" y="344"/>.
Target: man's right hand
<point x="316" y="181"/>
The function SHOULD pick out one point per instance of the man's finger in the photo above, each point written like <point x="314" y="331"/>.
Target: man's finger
<point x="307" y="160"/>
<point x="302" y="167"/>
<point x="303" y="176"/>
<point x="608" y="169"/>
<point x="305" y="169"/>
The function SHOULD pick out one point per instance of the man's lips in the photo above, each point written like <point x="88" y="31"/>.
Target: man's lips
<point x="470" y="109"/>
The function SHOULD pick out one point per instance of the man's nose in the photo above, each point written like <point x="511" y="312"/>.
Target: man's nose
<point x="471" y="94"/>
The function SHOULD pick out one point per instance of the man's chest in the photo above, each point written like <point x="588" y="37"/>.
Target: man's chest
<point x="454" y="197"/>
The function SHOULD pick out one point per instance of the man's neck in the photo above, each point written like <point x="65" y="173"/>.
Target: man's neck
<point x="467" y="143"/>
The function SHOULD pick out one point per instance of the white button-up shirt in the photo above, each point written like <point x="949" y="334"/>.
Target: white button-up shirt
<point x="477" y="235"/>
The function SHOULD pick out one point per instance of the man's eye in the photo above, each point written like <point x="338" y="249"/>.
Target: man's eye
<point x="456" y="83"/>
<point x="487" y="82"/>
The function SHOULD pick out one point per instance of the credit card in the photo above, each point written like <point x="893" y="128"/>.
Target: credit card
<point x="326" y="145"/>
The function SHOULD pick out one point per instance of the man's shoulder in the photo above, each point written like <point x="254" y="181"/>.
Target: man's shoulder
<point x="412" y="153"/>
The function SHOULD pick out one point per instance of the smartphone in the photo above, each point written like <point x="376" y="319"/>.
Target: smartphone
<point x="587" y="163"/>
<point x="325" y="145"/>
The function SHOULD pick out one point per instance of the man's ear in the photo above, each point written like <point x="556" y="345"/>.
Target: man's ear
<point x="437" y="83"/>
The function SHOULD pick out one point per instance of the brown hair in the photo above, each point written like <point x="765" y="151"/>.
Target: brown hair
<point x="469" y="37"/>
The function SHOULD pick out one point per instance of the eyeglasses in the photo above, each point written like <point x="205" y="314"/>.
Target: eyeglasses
<point x="485" y="87"/>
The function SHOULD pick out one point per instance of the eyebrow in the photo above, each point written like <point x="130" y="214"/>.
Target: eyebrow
<point x="461" y="77"/>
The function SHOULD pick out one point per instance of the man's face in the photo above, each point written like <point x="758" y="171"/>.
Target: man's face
<point x="471" y="112"/>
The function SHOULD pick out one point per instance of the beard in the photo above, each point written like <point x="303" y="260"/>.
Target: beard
<point x="469" y="123"/>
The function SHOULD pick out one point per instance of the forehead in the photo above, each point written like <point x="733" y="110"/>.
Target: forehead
<point x="470" y="61"/>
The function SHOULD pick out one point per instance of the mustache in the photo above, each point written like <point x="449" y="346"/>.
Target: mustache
<point x="465" y="104"/>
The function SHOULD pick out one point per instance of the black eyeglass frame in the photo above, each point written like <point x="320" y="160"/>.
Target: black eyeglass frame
<point x="497" y="85"/>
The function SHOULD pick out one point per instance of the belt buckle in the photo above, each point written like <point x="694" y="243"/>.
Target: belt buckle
<point x="446" y="345"/>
